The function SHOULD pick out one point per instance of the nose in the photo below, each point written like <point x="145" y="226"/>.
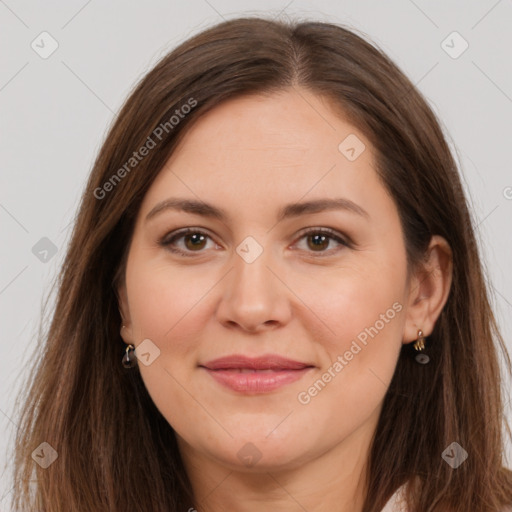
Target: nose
<point x="254" y="297"/>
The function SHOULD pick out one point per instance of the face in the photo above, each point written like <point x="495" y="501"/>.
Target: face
<point x="323" y="287"/>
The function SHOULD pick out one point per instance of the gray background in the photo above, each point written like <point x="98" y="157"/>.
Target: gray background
<point x="54" y="114"/>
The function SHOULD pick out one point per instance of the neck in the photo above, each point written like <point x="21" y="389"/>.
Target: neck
<point x="334" y="480"/>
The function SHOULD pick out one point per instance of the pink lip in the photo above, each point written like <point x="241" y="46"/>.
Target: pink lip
<point x="255" y="375"/>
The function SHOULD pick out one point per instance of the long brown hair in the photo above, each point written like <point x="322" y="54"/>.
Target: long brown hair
<point x="115" y="450"/>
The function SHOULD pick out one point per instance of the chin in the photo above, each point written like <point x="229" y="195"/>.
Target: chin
<point x="257" y="451"/>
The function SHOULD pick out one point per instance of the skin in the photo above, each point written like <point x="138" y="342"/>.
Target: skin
<point x="251" y="156"/>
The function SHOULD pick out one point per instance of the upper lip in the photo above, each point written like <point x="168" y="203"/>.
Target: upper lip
<point x="266" y="362"/>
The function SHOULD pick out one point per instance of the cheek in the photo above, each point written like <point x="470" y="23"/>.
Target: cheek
<point x="359" y="302"/>
<point x="163" y="300"/>
<point x="361" y="335"/>
<point x="169" y="308"/>
<point x="360" y="361"/>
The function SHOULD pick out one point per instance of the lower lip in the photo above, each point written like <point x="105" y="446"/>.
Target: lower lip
<point x="258" y="381"/>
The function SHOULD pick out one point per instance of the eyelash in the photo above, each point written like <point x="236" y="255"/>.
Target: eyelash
<point x="167" y="242"/>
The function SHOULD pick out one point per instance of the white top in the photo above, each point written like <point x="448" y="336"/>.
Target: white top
<point x="397" y="502"/>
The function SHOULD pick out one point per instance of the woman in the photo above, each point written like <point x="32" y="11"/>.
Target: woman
<point x="275" y="238"/>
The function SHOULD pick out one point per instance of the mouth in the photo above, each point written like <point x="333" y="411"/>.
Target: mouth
<point x="255" y="375"/>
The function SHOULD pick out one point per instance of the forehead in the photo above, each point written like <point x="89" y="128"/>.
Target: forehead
<point x="285" y="124"/>
<point x="256" y="150"/>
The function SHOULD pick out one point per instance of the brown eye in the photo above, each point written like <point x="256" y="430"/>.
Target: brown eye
<point x="318" y="241"/>
<point x="194" y="241"/>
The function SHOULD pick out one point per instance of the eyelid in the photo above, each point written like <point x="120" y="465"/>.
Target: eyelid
<point x="333" y="234"/>
<point x="172" y="236"/>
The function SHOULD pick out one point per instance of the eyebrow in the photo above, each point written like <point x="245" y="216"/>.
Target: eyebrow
<point x="290" y="210"/>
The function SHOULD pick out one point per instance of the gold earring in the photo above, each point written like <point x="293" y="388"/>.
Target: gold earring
<point x="128" y="362"/>
<point x="419" y="346"/>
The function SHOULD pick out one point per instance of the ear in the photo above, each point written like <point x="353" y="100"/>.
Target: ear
<point x="124" y="310"/>
<point x="429" y="289"/>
